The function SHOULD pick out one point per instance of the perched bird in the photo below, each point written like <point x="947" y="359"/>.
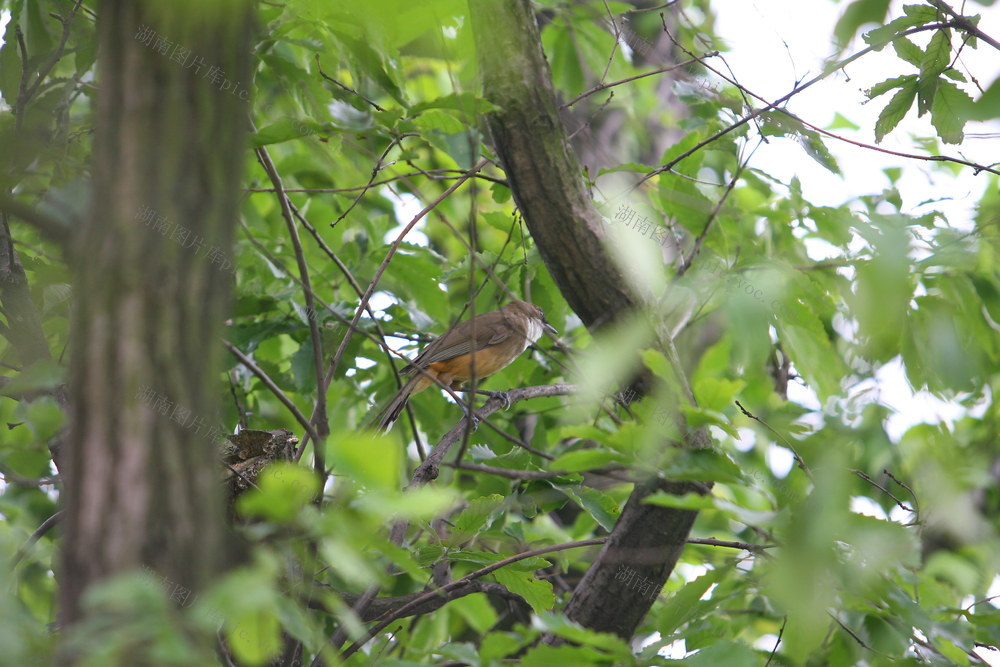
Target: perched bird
<point x="482" y="345"/>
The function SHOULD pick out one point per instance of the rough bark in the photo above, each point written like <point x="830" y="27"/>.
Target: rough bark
<point x="141" y="470"/>
<point x="544" y="175"/>
<point x="548" y="188"/>
<point x="645" y="544"/>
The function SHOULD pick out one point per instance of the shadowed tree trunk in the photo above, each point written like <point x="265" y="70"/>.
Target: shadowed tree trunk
<point x="153" y="275"/>
<point x="546" y="183"/>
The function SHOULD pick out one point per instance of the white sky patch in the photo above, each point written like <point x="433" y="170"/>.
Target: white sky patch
<point x="779" y="460"/>
<point x="4" y="20"/>
<point x="775" y="44"/>
<point x="380" y="301"/>
<point x="910" y="407"/>
<point x="867" y="507"/>
<point x="406" y="207"/>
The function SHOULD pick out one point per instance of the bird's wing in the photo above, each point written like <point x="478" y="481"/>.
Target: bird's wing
<point x="459" y="341"/>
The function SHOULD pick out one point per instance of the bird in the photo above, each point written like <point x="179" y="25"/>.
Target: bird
<point x="484" y="344"/>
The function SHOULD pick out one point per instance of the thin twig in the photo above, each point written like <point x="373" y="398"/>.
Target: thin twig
<point x="781" y="100"/>
<point x="44" y="70"/>
<point x="347" y="88"/>
<point x="275" y="389"/>
<point x="482" y="572"/>
<point x="864" y="476"/>
<point x="777" y="643"/>
<point x="962" y="23"/>
<point x="378" y="167"/>
<point x="912" y="156"/>
<point x="392" y="251"/>
<point x="319" y="418"/>
<point x="431" y="174"/>
<point x="798" y="459"/>
<point x="11" y="477"/>
<point x="604" y="86"/>
<point x="46" y="526"/>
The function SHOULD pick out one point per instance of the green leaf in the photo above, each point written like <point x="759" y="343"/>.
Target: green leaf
<point x="908" y="51"/>
<point x="10" y="68"/>
<point x="937" y="56"/>
<point x="698" y="417"/>
<point x="369" y="460"/>
<point x="685" y="603"/>
<point x="703" y="465"/>
<point x="987" y="106"/>
<point x="926" y="90"/>
<point x="535" y="592"/>
<point x="813" y="144"/>
<point x="371" y="62"/>
<point x="725" y="652"/>
<point x="501" y="193"/>
<point x="833" y="224"/>
<point x="947" y="112"/>
<point x="894" y="112"/>
<point x="880" y="36"/>
<point x="857" y="14"/>
<point x="715" y="393"/>
<point x="547" y="656"/>
<point x="599" y="505"/>
<point x="285" y="129"/>
<point x="840" y="122"/>
<point x="283" y="489"/>
<point x="254" y="637"/>
<point x="43" y="416"/>
<point x="41" y="376"/>
<point x="890" y="84"/>
<point x="585" y="459"/>
<point x="477" y="515"/>
<point x="920" y="13"/>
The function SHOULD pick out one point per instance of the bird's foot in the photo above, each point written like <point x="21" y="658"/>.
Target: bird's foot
<point x="502" y="395"/>
<point x="471" y="416"/>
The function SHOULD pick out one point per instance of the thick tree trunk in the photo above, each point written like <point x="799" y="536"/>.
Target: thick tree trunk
<point x="544" y="175"/>
<point x="153" y="274"/>
<point x="548" y="188"/>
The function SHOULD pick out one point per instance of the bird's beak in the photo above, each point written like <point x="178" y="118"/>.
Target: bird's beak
<point x="551" y="330"/>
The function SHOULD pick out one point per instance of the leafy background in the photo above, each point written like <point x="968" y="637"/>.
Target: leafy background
<point x="878" y="548"/>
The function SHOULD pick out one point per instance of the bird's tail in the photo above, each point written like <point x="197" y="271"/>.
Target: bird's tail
<point x="383" y="421"/>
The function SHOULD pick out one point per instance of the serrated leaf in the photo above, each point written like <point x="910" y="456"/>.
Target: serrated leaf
<point x="890" y="84"/>
<point x="880" y="36"/>
<point x="908" y="51"/>
<point x="894" y="112"/>
<point x="937" y="55"/>
<point x="920" y="13"/>
<point x="684" y="603"/>
<point x="856" y="15"/>
<point x="535" y="592"/>
<point x="926" y="91"/>
<point x="715" y="393"/>
<point x="987" y="106"/>
<point x="600" y="506"/>
<point x="479" y="513"/>
<point x="585" y="459"/>
<point x="813" y="144"/>
<point x="282" y="489"/>
<point x="698" y="417"/>
<point x="955" y="75"/>
<point x="500" y="193"/>
<point x="10" y="69"/>
<point x="43" y="375"/>
<point x="947" y="112"/>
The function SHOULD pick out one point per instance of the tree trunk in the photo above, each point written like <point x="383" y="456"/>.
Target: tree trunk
<point x="546" y="183"/>
<point x="153" y="274"/>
